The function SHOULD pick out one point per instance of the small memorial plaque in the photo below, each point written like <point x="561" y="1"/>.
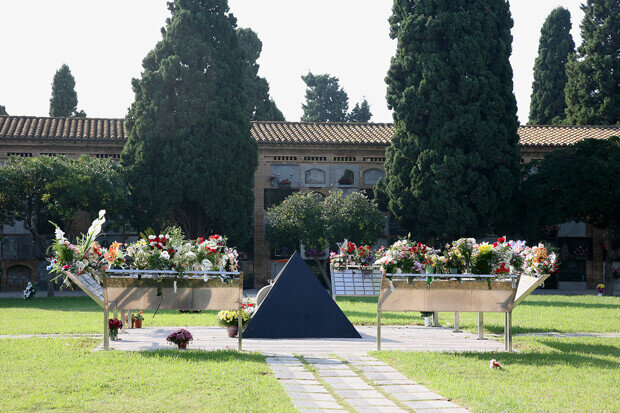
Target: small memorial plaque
<point x="356" y="282"/>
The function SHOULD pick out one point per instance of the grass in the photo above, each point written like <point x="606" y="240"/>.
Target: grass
<point x="537" y="313"/>
<point x="551" y="374"/>
<point x="64" y="374"/>
<point x="79" y="315"/>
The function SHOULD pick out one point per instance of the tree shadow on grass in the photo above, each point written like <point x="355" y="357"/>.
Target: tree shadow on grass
<point x="201" y="356"/>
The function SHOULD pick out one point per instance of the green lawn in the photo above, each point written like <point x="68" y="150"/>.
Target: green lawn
<point x="538" y="313"/>
<point x="551" y="374"/>
<point x="64" y="374"/>
<point x="79" y="315"/>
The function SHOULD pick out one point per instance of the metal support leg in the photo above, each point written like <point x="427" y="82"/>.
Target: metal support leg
<point x="435" y="319"/>
<point x="106" y="328"/>
<point x="456" y="322"/>
<point x="480" y="326"/>
<point x="240" y="324"/>
<point x="378" y="330"/>
<point x="508" y="331"/>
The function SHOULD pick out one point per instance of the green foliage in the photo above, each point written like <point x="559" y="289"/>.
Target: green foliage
<point x="35" y="190"/>
<point x="304" y="218"/>
<point x="63" y="102"/>
<point x="326" y="101"/>
<point x="556" y="44"/>
<point x="262" y="107"/>
<point x="360" y="112"/>
<point x="3" y="111"/>
<point x="593" y="87"/>
<point x="577" y="183"/>
<point x="190" y="158"/>
<point x="453" y="165"/>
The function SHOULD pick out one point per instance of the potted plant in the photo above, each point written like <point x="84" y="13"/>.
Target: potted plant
<point x="114" y="325"/>
<point x="601" y="289"/>
<point x="229" y="318"/>
<point x="136" y="319"/>
<point x="180" y="337"/>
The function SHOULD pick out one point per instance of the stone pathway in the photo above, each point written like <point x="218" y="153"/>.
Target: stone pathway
<point x="353" y="383"/>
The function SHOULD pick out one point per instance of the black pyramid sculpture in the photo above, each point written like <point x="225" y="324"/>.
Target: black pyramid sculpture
<point x="298" y="306"/>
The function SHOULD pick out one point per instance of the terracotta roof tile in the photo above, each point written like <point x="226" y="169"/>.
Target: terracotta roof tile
<point x="545" y="135"/>
<point x="311" y="133"/>
<point x="34" y="128"/>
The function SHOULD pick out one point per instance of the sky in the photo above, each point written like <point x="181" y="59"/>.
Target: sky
<point x="104" y="42"/>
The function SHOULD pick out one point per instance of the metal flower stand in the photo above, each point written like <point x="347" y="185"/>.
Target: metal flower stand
<point x="455" y="293"/>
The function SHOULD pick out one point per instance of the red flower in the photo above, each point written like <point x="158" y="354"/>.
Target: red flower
<point x="350" y="247"/>
<point x="501" y="240"/>
<point x="494" y="244"/>
<point x="201" y="240"/>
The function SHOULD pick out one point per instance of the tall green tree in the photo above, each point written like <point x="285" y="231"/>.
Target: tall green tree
<point x="579" y="183"/>
<point x="305" y="218"/>
<point x="190" y="158"/>
<point x="261" y="105"/>
<point x="548" y="104"/>
<point x="593" y="87"/>
<point x="453" y="164"/>
<point x="3" y="110"/>
<point x="35" y="190"/>
<point x="63" y="102"/>
<point x="360" y="112"/>
<point x="326" y="101"/>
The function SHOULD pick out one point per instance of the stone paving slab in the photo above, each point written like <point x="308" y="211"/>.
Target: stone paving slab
<point x="447" y="410"/>
<point x="317" y="403"/>
<point x="404" y="338"/>
<point x="427" y="395"/>
<point x="360" y="394"/>
<point x="337" y="373"/>
<point x="320" y="410"/>
<point x="430" y="404"/>
<point x="404" y="388"/>
<point x="380" y="409"/>
<point x="371" y="402"/>
<point x="392" y="375"/>
<point x="310" y="388"/>
<point x="311" y="396"/>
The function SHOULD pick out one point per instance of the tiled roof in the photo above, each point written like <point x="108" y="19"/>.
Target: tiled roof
<point x="544" y="135"/>
<point x="311" y="133"/>
<point x="322" y="133"/>
<point x="62" y="129"/>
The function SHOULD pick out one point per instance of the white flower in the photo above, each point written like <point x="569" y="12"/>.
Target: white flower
<point x="60" y="235"/>
<point x="165" y="255"/>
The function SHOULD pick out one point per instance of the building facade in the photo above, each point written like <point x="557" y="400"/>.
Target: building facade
<point x="293" y="156"/>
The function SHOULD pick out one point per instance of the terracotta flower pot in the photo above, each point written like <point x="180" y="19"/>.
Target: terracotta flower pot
<point x="182" y="345"/>
<point x="137" y="323"/>
<point x="232" y="331"/>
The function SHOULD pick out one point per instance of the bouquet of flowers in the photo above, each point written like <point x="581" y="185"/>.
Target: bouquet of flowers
<point x="114" y="325"/>
<point x="350" y="254"/>
<point x="580" y="251"/>
<point x="538" y="260"/>
<point x="601" y="289"/>
<point x="405" y="256"/>
<point x="85" y="256"/>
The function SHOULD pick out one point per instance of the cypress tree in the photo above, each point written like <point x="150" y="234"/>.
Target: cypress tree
<point x="453" y="164"/>
<point x="3" y="110"/>
<point x="190" y="158"/>
<point x="556" y="44"/>
<point x="360" y="112"/>
<point x="326" y="101"/>
<point x="63" y="102"/>
<point x="593" y="87"/>
<point x="261" y="106"/>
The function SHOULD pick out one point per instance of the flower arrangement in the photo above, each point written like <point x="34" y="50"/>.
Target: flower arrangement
<point x="180" y="337"/>
<point x="114" y="325"/>
<point x="345" y="180"/>
<point x="228" y="318"/>
<point x="465" y="256"/>
<point x="284" y="182"/>
<point x="138" y="316"/>
<point x="350" y="254"/>
<point x="85" y="256"/>
<point x="169" y="250"/>
<point x="30" y="291"/>
<point x="601" y="289"/>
